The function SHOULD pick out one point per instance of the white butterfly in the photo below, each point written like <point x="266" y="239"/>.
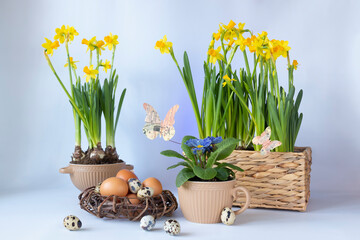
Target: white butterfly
<point x="264" y="140"/>
<point x="154" y="127"/>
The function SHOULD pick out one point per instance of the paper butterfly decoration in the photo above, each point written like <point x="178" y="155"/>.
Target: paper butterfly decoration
<point x="154" y="127"/>
<point x="264" y="140"/>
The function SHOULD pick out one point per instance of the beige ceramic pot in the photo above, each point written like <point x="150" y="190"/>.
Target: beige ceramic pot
<point x="202" y="202"/>
<point x="88" y="175"/>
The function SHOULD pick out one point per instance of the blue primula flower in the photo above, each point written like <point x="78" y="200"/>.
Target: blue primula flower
<point x="199" y="144"/>
<point x="215" y="140"/>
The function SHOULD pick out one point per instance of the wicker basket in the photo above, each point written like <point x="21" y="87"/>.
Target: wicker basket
<point x="279" y="180"/>
<point x="115" y="207"/>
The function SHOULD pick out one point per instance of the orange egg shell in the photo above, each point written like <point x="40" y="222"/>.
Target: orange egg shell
<point x="133" y="198"/>
<point x="114" y="186"/>
<point x="154" y="184"/>
<point x="125" y="175"/>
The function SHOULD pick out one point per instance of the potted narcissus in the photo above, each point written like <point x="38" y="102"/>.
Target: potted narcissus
<point x="90" y="99"/>
<point x="248" y="100"/>
<point x="206" y="185"/>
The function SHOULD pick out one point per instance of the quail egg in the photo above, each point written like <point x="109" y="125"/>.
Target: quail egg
<point x="72" y="223"/>
<point x="227" y="216"/>
<point x="145" y="192"/>
<point x="172" y="227"/>
<point x="134" y="185"/>
<point x="147" y="222"/>
<point x="97" y="188"/>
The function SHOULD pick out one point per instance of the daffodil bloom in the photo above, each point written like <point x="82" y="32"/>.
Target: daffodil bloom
<point x="90" y="72"/>
<point x="50" y="46"/>
<point x="65" y="32"/>
<point x="163" y="45"/>
<point x="218" y="34"/>
<point x="230" y="25"/>
<point x="295" y="64"/>
<point x="111" y="41"/>
<point x="226" y="77"/>
<point x="72" y="63"/>
<point x="215" y="55"/>
<point x="106" y="65"/>
<point x="90" y="43"/>
<point x="242" y="42"/>
<point x="241" y="26"/>
<point x="100" y="46"/>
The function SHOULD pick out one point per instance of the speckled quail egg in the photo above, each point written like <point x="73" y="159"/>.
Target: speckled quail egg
<point x="227" y="216"/>
<point x="134" y="185"/>
<point x="72" y="223"/>
<point x="147" y="222"/>
<point x="172" y="227"/>
<point x="97" y="188"/>
<point x="145" y="192"/>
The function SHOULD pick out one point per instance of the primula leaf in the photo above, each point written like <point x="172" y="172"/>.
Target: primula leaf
<point x="222" y="173"/>
<point x="185" y="164"/>
<point x="224" y="149"/>
<point x="183" y="176"/>
<point x="187" y="150"/>
<point x="171" y="153"/>
<point x="205" y="174"/>
<point x="232" y="166"/>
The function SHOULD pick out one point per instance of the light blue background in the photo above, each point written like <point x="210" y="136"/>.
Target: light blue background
<point x="36" y="124"/>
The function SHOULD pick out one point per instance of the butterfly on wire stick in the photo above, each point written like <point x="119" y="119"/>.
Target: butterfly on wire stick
<point x="154" y="127"/>
<point x="264" y="140"/>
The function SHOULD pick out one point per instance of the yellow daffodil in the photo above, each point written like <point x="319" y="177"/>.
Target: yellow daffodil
<point x="64" y="33"/>
<point x="90" y="72"/>
<point x="50" y="46"/>
<point x="212" y="43"/>
<point x="163" y="45"/>
<point x="242" y="42"/>
<point x="90" y="43"/>
<point x="218" y="34"/>
<point x="230" y="25"/>
<point x="241" y="26"/>
<point x="215" y="55"/>
<point x="100" y="46"/>
<point x="295" y="64"/>
<point x="94" y="44"/>
<point x="226" y="77"/>
<point x="72" y="63"/>
<point x="106" y="65"/>
<point x="230" y="31"/>
<point x="111" y="41"/>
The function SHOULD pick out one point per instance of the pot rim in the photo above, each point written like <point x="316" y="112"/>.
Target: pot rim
<point x="104" y="164"/>
<point x="207" y="182"/>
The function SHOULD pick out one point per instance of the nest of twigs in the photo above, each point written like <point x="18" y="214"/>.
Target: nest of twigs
<point x="115" y="207"/>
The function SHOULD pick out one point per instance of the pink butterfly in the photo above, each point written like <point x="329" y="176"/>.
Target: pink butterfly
<point x="154" y="127"/>
<point x="264" y="140"/>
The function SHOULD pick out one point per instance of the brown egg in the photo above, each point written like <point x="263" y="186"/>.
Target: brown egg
<point x="133" y="198"/>
<point x="154" y="184"/>
<point x="125" y="174"/>
<point x="114" y="186"/>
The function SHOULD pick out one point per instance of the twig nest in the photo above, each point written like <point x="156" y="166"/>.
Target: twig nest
<point x="72" y="223"/>
<point x="227" y="216"/>
<point x="134" y="185"/>
<point x="147" y="222"/>
<point x="172" y="227"/>
<point x="145" y="192"/>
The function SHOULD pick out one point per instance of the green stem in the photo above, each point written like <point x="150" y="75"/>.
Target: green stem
<point x="112" y="62"/>
<point x="64" y="88"/>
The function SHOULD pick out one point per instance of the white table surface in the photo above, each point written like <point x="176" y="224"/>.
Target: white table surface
<point x="39" y="214"/>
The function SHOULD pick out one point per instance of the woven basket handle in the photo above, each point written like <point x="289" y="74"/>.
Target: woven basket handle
<point x="235" y="193"/>
<point x="66" y="169"/>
